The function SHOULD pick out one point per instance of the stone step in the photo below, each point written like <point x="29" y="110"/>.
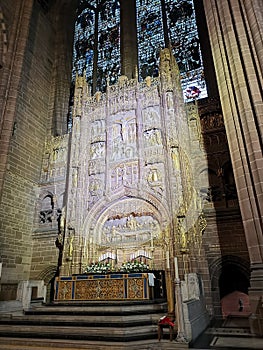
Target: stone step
<point x="83" y="320"/>
<point x="98" y="308"/>
<point x="109" y="322"/>
<point x="80" y="333"/>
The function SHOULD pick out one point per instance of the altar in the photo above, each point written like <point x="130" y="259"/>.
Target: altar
<point x="113" y="286"/>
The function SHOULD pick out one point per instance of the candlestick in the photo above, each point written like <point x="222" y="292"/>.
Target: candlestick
<point x="176" y="268"/>
<point x="167" y="260"/>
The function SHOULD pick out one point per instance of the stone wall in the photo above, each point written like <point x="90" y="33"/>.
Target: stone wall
<point x="25" y="151"/>
<point x="34" y="93"/>
<point x="238" y="62"/>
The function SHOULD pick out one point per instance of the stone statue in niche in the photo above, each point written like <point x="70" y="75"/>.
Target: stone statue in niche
<point x="154" y="179"/>
<point x="131" y="132"/>
<point x="95" y="187"/>
<point x="184" y="240"/>
<point x="169" y="100"/>
<point x="123" y="139"/>
<point x="70" y="246"/>
<point x="75" y="177"/>
<point x="124" y="174"/>
<point x="97" y="150"/>
<point x="193" y="286"/>
<point x="117" y="142"/>
<point x="61" y="220"/>
<point x="175" y="158"/>
<point x="151" y="117"/>
<point x="95" y="190"/>
<point x="97" y="128"/>
<point x="153" y="176"/>
<point x="93" y="168"/>
<point x="153" y="137"/>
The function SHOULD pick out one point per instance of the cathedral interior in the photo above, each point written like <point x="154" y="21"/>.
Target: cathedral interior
<point x="131" y="142"/>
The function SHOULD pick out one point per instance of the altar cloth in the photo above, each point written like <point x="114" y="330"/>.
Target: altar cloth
<point x="114" y="286"/>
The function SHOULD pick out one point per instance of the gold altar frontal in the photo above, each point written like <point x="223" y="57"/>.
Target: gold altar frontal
<point x="132" y="286"/>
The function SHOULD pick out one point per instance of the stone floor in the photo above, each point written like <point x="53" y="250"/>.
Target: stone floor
<point x="231" y="333"/>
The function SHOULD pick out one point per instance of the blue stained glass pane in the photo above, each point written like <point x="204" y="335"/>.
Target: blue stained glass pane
<point x="83" y="49"/>
<point x="150" y="36"/>
<point x="108" y="49"/>
<point x="109" y="44"/>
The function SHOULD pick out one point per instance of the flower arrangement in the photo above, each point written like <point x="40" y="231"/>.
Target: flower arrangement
<point x="98" y="268"/>
<point x="134" y="266"/>
<point x="103" y="268"/>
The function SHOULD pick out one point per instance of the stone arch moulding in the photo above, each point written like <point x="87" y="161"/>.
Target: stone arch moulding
<point x="217" y="265"/>
<point x="216" y="268"/>
<point x="47" y="274"/>
<point x="45" y="194"/>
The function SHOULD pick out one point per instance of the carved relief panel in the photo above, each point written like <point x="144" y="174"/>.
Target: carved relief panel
<point x="122" y="137"/>
<point x="124" y="174"/>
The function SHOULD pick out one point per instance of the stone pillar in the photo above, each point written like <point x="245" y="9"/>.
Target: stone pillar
<point x="236" y="30"/>
<point x="128" y="38"/>
<point x="64" y="30"/>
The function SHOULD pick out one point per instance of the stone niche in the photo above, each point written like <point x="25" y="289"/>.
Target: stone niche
<point x="28" y="291"/>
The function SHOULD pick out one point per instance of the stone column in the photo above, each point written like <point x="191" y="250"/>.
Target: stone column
<point x="128" y="38"/>
<point x="63" y="37"/>
<point x="236" y="30"/>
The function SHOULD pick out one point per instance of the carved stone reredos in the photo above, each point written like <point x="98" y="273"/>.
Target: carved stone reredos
<point x="128" y="152"/>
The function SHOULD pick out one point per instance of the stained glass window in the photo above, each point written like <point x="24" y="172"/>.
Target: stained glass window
<point x="83" y="50"/>
<point x="97" y="42"/>
<point x="183" y="36"/>
<point x="109" y="44"/>
<point x="150" y="36"/>
<point x="185" y="43"/>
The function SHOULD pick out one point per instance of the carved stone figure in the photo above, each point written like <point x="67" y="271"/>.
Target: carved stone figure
<point x="70" y="245"/>
<point x="131" y="222"/>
